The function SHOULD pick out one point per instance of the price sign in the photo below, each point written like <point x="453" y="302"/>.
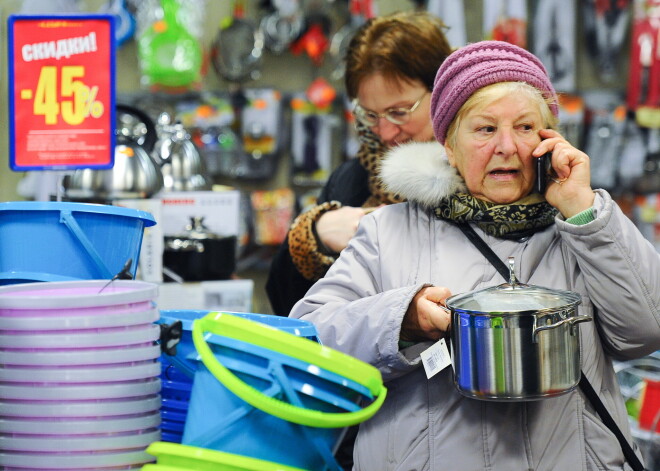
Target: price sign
<point x="61" y="92"/>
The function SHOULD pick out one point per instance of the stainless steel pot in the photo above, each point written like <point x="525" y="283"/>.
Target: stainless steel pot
<point x="515" y="342"/>
<point x="197" y="254"/>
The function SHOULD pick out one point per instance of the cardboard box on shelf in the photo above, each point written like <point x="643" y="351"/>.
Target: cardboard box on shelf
<point x="220" y="210"/>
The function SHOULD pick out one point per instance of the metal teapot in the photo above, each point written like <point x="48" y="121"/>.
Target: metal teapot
<point x="134" y="174"/>
<point x="181" y="163"/>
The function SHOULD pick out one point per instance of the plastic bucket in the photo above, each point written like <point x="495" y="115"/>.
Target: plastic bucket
<point x="186" y="347"/>
<point x="179" y="370"/>
<point x="58" y="241"/>
<point x="260" y="390"/>
<point x="173" y="457"/>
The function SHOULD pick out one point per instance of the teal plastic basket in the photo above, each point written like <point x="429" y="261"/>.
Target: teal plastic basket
<point x="266" y="394"/>
<point x="178" y="371"/>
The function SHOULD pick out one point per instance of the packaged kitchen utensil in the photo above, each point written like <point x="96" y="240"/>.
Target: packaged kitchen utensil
<point x="168" y="39"/>
<point x="259" y="392"/>
<point x="515" y="341"/>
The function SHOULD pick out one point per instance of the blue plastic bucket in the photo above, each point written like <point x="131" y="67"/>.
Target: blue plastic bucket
<point x="61" y="241"/>
<point x="267" y="394"/>
<point x="186" y="366"/>
<point x="178" y="371"/>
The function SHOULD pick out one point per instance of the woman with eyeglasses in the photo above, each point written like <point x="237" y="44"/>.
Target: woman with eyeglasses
<point x="390" y="68"/>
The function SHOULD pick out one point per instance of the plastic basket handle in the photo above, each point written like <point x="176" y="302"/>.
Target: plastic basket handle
<point x="67" y="218"/>
<point x="270" y="405"/>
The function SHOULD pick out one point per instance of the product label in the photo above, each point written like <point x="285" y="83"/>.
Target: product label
<point x="435" y="358"/>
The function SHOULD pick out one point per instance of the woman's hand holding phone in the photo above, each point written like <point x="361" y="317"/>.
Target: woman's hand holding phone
<point x="570" y="191"/>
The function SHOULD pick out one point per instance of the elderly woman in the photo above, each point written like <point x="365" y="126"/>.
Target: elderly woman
<point x="493" y="107"/>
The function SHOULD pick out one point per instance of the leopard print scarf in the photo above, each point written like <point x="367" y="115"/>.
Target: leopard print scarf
<point x="370" y="154"/>
<point x="507" y="221"/>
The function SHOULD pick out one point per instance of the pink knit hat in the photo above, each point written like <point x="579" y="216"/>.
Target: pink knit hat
<point x="476" y="65"/>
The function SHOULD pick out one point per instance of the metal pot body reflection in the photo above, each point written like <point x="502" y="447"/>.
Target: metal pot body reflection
<point x="516" y="356"/>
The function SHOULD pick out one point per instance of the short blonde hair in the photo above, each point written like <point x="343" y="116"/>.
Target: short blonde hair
<point x="494" y="92"/>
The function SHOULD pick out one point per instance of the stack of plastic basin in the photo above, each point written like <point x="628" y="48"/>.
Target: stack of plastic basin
<point x="265" y="394"/>
<point x="176" y="457"/>
<point x="79" y="375"/>
<point x="62" y="241"/>
<point x="178" y="370"/>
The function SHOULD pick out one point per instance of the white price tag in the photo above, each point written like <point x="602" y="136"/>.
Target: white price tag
<point x="435" y="358"/>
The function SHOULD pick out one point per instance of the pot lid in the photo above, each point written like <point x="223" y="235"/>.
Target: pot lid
<point x="513" y="297"/>
<point x="196" y="230"/>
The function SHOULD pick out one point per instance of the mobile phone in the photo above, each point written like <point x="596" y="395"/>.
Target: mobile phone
<point x="543" y="171"/>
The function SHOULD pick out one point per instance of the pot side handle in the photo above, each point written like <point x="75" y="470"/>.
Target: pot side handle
<point x="571" y="321"/>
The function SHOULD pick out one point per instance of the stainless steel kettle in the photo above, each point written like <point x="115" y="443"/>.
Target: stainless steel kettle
<point x="181" y="163"/>
<point x="134" y="174"/>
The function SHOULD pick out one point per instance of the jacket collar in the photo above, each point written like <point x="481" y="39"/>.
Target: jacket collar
<point x="420" y="172"/>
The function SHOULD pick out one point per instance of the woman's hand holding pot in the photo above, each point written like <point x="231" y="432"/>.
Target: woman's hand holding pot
<point x="571" y="191"/>
<point x="426" y="317"/>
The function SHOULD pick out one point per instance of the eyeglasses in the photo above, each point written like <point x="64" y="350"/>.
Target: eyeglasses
<point x="398" y="116"/>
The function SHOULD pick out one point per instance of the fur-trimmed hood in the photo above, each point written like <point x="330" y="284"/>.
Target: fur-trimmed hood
<point x="420" y="172"/>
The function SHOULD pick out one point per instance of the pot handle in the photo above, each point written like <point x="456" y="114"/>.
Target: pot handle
<point x="570" y="321"/>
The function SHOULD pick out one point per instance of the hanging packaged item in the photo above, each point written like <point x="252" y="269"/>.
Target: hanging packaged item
<point x="506" y="20"/>
<point x="124" y="19"/>
<point x="359" y="12"/>
<point x="236" y="52"/>
<point x="312" y="125"/>
<point x="282" y="26"/>
<point x="604" y="145"/>
<point x="554" y="41"/>
<point x="452" y="13"/>
<point x="169" y="38"/>
<point x="257" y="130"/>
<point x="571" y="118"/>
<point x="644" y="70"/>
<point x="605" y="29"/>
<point x="273" y="213"/>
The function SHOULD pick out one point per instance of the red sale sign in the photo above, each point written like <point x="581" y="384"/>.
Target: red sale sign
<point x="61" y="92"/>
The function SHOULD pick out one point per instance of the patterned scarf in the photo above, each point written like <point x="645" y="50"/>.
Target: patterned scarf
<point x="507" y="221"/>
<point x="370" y="155"/>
